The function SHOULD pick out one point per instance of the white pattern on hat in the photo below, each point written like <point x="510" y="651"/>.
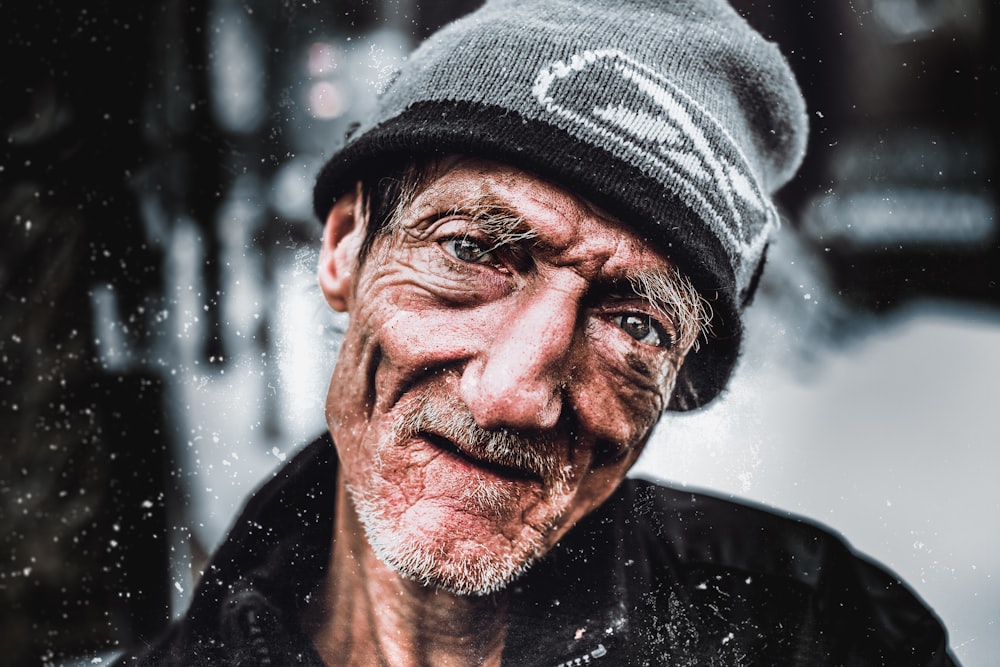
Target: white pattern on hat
<point x="683" y="145"/>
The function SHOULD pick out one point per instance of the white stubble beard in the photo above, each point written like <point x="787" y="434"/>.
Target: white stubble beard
<point x="431" y="564"/>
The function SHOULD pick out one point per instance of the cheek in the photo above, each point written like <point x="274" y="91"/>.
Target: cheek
<point x="418" y="339"/>
<point x="619" y="426"/>
<point x="415" y="333"/>
<point x="388" y="349"/>
<point x="352" y="399"/>
<point x="614" y="402"/>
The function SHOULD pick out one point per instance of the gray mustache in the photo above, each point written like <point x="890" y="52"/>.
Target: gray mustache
<point x="537" y="454"/>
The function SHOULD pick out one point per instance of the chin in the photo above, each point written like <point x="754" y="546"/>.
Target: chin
<point x="445" y="559"/>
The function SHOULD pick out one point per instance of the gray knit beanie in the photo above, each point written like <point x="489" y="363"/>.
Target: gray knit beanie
<point x="672" y="115"/>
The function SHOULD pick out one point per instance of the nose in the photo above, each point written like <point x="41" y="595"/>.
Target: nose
<point x="517" y="380"/>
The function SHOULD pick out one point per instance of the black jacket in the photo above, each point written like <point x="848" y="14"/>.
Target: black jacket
<point x="655" y="576"/>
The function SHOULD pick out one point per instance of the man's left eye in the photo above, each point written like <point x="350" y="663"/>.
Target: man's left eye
<point x="468" y="250"/>
<point x="644" y="329"/>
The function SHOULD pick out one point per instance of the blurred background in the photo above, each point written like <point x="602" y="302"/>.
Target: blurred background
<point x="163" y="346"/>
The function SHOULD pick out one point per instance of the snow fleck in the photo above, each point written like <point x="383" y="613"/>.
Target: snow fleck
<point x="146" y="504"/>
<point x="579" y="633"/>
<point x="728" y="638"/>
<point x="278" y="453"/>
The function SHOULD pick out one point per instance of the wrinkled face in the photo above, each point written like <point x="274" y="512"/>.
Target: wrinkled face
<point x="508" y="353"/>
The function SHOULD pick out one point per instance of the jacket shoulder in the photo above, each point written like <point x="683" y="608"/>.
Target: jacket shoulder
<point x="759" y="566"/>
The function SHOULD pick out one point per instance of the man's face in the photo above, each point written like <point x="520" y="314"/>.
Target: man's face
<point x="506" y="359"/>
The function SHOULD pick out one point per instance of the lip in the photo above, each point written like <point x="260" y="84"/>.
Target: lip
<point x="497" y="469"/>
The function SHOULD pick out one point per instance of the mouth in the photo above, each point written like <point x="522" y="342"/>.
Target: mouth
<point x="498" y="469"/>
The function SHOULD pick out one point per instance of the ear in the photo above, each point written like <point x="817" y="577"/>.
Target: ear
<point x="338" y="257"/>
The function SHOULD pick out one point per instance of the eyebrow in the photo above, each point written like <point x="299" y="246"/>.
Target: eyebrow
<point x="495" y="218"/>
<point x="674" y="296"/>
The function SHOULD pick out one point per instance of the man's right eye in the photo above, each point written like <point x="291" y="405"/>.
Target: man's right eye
<point x="468" y="250"/>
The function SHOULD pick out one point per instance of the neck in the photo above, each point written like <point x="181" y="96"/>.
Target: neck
<point x="368" y="614"/>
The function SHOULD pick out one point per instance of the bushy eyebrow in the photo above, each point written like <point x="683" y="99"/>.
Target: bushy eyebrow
<point x="497" y="220"/>
<point x="672" y="294"/>
<point x="488" y="214"/>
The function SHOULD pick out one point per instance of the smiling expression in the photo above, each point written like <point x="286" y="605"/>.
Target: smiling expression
<point x="510" y="348"/>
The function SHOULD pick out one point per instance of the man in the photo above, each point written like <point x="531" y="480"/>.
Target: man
<point x="544" y="239"/>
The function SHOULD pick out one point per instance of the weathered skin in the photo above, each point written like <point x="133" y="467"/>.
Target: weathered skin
<point x="528" y="339"/>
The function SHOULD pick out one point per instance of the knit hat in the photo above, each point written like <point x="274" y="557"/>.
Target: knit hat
<point x="672" y="115"/>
